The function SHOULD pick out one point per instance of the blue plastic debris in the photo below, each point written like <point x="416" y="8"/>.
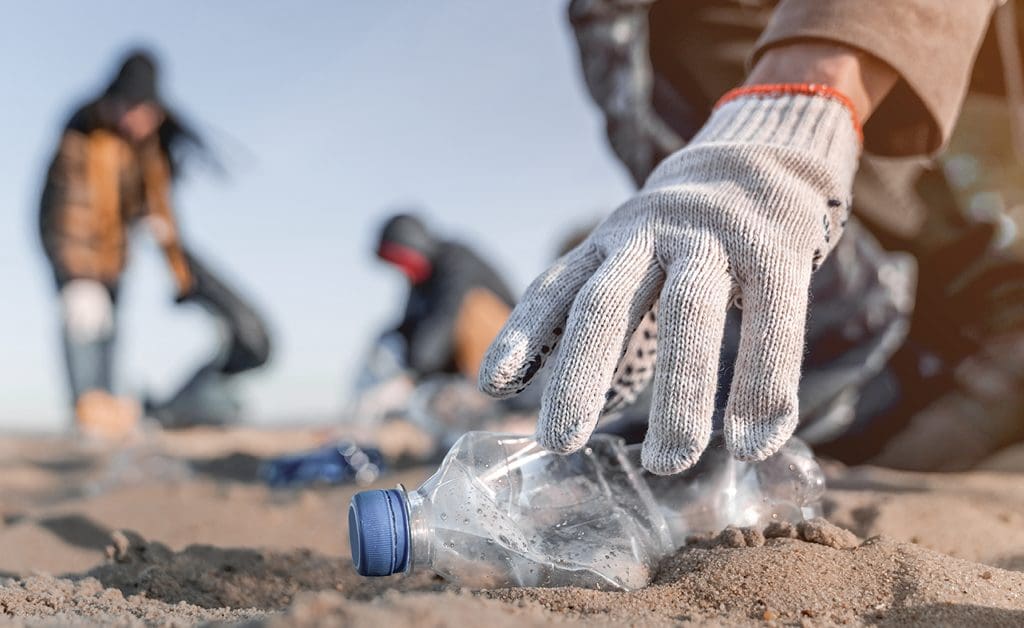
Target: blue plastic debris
<point x="340" y="463"/>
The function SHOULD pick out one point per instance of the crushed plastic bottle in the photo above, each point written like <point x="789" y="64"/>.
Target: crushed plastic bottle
<point x="340" y="463"/>
<point x="720" y="491"/>
<point x="501" y="511"/>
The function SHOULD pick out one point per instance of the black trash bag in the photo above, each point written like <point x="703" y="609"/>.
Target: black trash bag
<point x="206" y="397"/>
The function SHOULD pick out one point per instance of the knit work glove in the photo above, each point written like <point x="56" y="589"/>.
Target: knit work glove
<point x="742" y="215"/>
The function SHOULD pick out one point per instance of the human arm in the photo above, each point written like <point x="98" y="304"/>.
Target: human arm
<point x="160" y="217"/>
<point x="930" y="44"/>
<point x="744" y="213"/>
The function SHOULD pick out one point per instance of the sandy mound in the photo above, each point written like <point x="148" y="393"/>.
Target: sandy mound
<point x="212" y="577"/>
<point x="49" y="601"/>
<point x="977" y="516"/>
<point x="214" y="545"/>
<point x="815" y="573"/>
<point x="453" y="609"/>
<point x="144" y="581"/>
<point x="791" y="580"/>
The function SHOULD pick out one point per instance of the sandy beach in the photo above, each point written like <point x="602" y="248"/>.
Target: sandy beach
<point x="179" y="532"/>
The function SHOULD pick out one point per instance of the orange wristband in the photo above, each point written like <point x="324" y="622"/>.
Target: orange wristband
<point x="790" y="89"/>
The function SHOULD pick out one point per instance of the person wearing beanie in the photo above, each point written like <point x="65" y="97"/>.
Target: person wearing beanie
<point x="116" y="161"/>
<point x="456" y="301"/>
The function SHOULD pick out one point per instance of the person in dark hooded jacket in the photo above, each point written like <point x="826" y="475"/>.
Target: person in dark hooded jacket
<point x="456" y="303"/>
<point x="117" y="158"/>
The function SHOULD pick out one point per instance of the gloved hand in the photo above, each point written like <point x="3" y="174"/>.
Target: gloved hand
<point x="743" y="214"/>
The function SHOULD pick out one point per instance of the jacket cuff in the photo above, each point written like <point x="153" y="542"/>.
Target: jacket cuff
<point x="931" y="44"/>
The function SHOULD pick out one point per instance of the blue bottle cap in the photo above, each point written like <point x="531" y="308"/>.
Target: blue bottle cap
<point x="378" y="532"/>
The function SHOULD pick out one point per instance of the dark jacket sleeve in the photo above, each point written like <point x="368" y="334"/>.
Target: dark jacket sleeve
<point x="429" y="328"/>
<point x="932" y="44"/>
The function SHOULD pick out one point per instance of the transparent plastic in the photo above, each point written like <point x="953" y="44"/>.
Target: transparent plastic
<point x="720" y="491"/>
<point x="500" y="511"/>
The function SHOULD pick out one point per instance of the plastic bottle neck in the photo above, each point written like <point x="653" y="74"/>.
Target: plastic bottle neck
<point x="421" y="552"/>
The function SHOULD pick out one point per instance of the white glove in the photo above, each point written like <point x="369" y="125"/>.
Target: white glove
<point x="745" y="212"/>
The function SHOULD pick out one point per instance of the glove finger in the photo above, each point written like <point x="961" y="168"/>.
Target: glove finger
<point x="691" y="323"/>
<point x="605" y="311"/>
<point x="763" y="409"/>
<point x="636" y="368"/>
<point x="533" y="329"/>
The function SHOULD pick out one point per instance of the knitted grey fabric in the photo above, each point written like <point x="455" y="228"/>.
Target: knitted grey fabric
<point x="746" y="211"/>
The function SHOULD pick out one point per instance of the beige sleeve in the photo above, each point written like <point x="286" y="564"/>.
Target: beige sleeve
<point x="156" y="177"/>
<point x="932" y="44"/>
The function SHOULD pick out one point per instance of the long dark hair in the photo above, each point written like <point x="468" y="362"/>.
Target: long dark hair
<point x="181" y="143"/>
<point x="137" y="82"/>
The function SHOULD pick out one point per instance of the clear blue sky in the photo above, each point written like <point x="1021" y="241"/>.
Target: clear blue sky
<point x="328" y="114"/>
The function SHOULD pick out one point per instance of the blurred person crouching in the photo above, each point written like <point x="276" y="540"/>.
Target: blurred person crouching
<point x="117" y="159"/>
<point x="456" y="301"/>
<point x="424" y="370"/>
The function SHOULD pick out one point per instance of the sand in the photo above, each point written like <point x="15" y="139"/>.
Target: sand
<point x="177" y="532"/>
